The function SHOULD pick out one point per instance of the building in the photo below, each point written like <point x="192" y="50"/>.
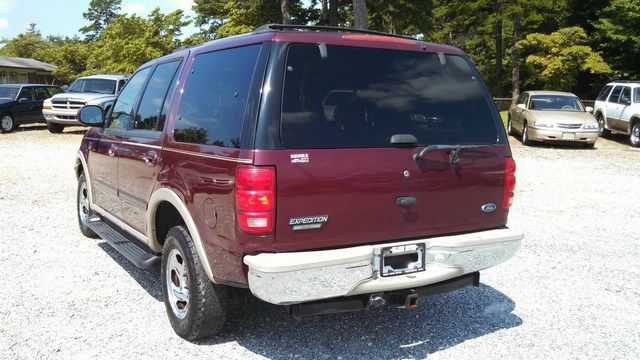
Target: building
<point x="23" y="71"/>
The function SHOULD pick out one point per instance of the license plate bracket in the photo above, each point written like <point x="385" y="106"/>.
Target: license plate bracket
<point x="568" y="136"/>
<point x="402" y="259"/>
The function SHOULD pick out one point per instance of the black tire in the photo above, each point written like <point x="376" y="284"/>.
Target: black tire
<point x="208" y="303"/>
<point x="54" y="128"/>
<point x="525" y="135"/>
<point x="510" y="130"/>
<point x="84" y="207"/>
<point x="601" y="130"/>
<point x="634" y="137"/>
<point x="8" y="123"/>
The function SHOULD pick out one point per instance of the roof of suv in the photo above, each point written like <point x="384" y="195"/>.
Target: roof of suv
<point x="322" y="34"/>
<point x="105" y="76"/>
<point x="632" y="83"/>
<point x="548" y="92"/>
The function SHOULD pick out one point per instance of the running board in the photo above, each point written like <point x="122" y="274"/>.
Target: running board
<point x="140" y="257"/>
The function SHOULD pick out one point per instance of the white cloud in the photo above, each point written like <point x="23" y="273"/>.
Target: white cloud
<point x="181" y="4"/>
<point x="4" y="23"/>
<point x="6" y="5"/>
<point x="132" y="8"/>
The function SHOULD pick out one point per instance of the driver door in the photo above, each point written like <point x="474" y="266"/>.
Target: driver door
<point x="519" y="113"/>
<point x="23" y="110"/>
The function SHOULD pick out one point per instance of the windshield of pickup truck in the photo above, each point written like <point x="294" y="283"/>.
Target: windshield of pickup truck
<point x="8" y="92"/>
<point x="555" y="103"/>
<point x="361" y="97"/>
<point x="97" y="86"/>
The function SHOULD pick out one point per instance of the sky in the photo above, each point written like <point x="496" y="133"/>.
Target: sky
<point x="64" y="17"/>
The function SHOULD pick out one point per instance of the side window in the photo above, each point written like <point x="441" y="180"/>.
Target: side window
<point x="625" y="96"/>
<point x="150" y="107"/>
<point x="636" y="95"/>
<point x="615" y="94"/>
<point x="54" y="90"/>
<point x="520" y="99"/>
<point x="214" y="97"/>
<point x="121" y="84"/>
<point x="41" y="94"/>
<point x="604" y="93"/>
<point x="122" y="114"/>
<point x="26" y="94"/>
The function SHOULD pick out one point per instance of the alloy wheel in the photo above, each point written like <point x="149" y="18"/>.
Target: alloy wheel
<point x="600" y="125"/>
<point x="177" y="278"/>
<point x="7" y="123"/>
<point x="635" y="135"/>
<point x="84" y="209"/>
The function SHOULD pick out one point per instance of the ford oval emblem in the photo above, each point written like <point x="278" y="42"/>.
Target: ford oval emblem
<point x="490" y="207"/>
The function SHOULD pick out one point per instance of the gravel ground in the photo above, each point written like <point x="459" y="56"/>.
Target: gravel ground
<point x="571" y="292"/>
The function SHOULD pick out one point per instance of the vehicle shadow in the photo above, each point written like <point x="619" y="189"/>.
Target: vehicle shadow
<point x="442" y="321"/>
<point x="31" y="128"/>
<point x="619" y="138"/>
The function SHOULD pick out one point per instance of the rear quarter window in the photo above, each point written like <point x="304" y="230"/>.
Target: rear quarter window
<point x="360" y="98"/>
<point x="214" y="97"/>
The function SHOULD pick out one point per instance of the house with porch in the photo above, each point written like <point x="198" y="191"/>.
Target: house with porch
<point x="25" y="71"/>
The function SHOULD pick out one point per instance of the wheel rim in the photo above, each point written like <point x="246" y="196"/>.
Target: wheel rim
<point x="7" y="123"/>
<point x="635" y="134"/>
<point x="84" y="209"/>
<point x="600" y="125"/>
<point x="525" y="134"/>
<point x="177" y="278"/>
<point x="509" y="126"/>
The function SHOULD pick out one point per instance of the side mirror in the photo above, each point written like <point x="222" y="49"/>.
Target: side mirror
<point x="522" y="106"/>
<point x="23" y="100"/>
<point x="91" y="115"/>
<point x="589" y="109"/>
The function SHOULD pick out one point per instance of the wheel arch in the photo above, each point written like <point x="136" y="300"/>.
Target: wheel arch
<point x="161" y="198"/>
<point x="80" y="168"/>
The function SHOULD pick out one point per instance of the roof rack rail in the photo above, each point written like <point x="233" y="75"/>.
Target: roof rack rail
<point x="268" y="27"/>
<point x="627" y="81"/>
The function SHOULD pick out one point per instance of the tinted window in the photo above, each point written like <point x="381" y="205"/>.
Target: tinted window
<point x="603" y="94"/>
<point x="98" y="86"/>
<point x="522" y="99"/>
<point x="214" y="97"/>
<point x="615" y="94"/>
<point x="41" y="93"/>
<point x="625" y="96"/>
<point x="54" y="90"/>
<point x="636" y="97"/>
<point x="122" y="115"/>
<point x="392" y="92"/>
<point x="26" y="94"/>
<point x="153" y="98"/>
<point x="121" y="84"/>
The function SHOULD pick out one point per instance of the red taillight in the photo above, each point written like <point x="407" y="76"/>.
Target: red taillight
<point x="255" y="198"/>
<point x="509" y="182"/>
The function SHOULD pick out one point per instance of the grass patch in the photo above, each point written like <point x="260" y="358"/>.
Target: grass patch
<point x="503" y="115"/>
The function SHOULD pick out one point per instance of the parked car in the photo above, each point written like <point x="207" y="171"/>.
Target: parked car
<point x="22" y="104"/>
<point x="62" y="110"/>
<point x="225" y="163"/>
<point x="552" y="116"/>
<point x="617" y="108"/>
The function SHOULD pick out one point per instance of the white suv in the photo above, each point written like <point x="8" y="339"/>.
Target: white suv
<point x="617" y="108"/>
<point x="62" y="109"/>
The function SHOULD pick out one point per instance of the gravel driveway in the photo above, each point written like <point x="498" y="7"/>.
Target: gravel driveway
<point x="571" y="292"/>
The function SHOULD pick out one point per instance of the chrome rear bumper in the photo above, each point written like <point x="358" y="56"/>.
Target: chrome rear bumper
<point x="297" y="277"/>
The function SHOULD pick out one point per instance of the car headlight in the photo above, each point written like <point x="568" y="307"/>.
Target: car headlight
<point x="593" y="125"/>
<point x="543" y="123"/>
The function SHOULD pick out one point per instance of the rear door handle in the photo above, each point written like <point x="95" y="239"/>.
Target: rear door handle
<point x="406" y="201"/>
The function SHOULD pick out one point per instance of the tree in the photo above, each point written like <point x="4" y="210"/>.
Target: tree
<point x="618" y="36"/>
<point x="100" y="14"/>
<point x="360" y="14"/>
<point x="25" y="45"/>
<point x="555" y="60"/>
<point x="130" y="41"/>
<point x="401" y="16"/>
<point x="285" y="11"/>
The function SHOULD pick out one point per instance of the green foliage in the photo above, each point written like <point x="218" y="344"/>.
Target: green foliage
<point x="26" y="45"/>
<point x="556" y="59"/>
<point x="618" y="35"/>
<point x="130" y="41"/>
<point x="100" y="14"/>
<point x="400" y="16"/>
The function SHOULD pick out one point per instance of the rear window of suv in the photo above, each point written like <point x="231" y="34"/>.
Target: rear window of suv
<point x="360" y="97"/>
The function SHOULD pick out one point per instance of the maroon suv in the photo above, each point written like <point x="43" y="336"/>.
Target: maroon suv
<point x="323" y="169"/>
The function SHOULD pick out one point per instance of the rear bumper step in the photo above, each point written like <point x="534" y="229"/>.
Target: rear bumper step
<point x="299" y="277"/>
<point x="140" y="257"/>
<point x="407" y="299"/>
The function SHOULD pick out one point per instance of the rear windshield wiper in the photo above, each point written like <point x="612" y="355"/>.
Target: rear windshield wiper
<point x="453" y="156"/>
